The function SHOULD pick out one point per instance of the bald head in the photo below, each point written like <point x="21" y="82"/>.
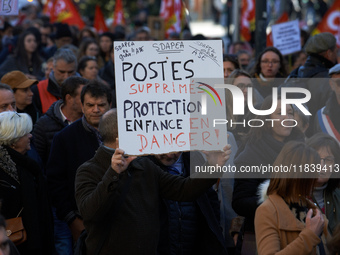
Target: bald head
<point x="108" y="127"/>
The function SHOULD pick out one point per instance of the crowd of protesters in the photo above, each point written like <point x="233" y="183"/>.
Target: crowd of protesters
<point x="57" y="92"/>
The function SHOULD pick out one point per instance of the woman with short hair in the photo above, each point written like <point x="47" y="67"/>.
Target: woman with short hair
<point x="287" y="222"/>
<point x="22" y="185"/>
<point x="269" y="66"/>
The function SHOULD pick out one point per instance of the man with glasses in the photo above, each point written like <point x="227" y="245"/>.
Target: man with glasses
<point x="327" y="119"/>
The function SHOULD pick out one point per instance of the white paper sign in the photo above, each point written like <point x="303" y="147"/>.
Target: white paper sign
<point x="9" y="7"/>
<point x="286" y="37"/>
<point x="160" y="86"/>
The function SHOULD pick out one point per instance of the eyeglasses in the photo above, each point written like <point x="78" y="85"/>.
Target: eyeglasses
<point x="328" y="160"/>
<point x="242" y="86"/>
<point x="267" y="62"/>
<point x="15" y="114"/>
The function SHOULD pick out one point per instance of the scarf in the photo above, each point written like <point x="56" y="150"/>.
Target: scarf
<point x="7" y="164"/>
<point x="91" y="129"/>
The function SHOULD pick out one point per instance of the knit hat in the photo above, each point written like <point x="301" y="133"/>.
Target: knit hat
<point x="17" y="80"/>
<point x="320" y="43"/>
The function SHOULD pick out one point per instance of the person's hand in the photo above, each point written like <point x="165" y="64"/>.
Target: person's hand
<point x="119" y="163"/>
<point x="235" y="237"/>
<point x="218" y="157"/>
<point x="76" y="228"/>
<point x="315" y="223"/>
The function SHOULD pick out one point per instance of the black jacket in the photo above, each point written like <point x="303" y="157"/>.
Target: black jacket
<point x="316" y="69"/>
<point x="70" y="148"/>
<point x="136" y="226"/>
<point x="31" y="195"/>
<point x="46" y="127"/>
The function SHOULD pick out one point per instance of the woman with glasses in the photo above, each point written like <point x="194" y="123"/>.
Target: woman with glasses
<point x="326" y="194"/>
<point x="269" y="65"/>
<point x="22" y="186"/>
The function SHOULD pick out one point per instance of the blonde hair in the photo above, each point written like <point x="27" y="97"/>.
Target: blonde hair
<point x="13" y="126"/>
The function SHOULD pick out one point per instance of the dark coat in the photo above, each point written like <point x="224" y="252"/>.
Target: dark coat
<point x="136" y="225"/>
<point x="316" y="69"/>
<point x="199" y="219"/>
<point x="332" y="208"/>
<point x="32" y="111"/>
<point x="12" y="64"/>
<point x="31" y="195"/>
<point x="70" y="148"/>
<point x="46" y="127"/>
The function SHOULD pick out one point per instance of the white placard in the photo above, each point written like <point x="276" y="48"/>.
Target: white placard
<point x="9" y="7"/>
<point x="159" y="88"/>
<point x="286" y="37"/>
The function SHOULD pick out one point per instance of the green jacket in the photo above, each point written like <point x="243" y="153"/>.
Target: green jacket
<point x="332" y="208"/>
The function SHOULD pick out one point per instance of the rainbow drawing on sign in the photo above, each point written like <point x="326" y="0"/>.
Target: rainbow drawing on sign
<point x="209" y="93"/>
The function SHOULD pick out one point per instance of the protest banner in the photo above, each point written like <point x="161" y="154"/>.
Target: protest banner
<point x="9" y="7"/>
<point x="160" y="86"/>
<point x="157" y="29"/>
<point x="286" y="37"/>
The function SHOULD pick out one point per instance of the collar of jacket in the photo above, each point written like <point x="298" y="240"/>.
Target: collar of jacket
<point x="53" y="86"/>
<point x="317" y="59"/>
<point x="286" y="219"/>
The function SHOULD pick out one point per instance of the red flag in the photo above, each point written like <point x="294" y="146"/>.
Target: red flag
<point x="48" y="8"/>
<point x="172" y="13"/>
<point x="118" y="16"/>
<point x="247" y="19"/>
<point x="64" y="11"/>
<point x="99" y="22"/>
<point x="284" y="18"/>
<point x="330" y="22"/>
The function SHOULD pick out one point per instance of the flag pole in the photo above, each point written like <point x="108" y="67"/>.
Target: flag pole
<point x="236" y="20"/>
<point x="261" y="26"/>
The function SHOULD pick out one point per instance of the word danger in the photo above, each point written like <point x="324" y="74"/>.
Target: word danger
<point x="199" y="135"/>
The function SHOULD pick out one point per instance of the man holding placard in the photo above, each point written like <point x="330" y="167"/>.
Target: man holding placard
<point x="119" y="197"/>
